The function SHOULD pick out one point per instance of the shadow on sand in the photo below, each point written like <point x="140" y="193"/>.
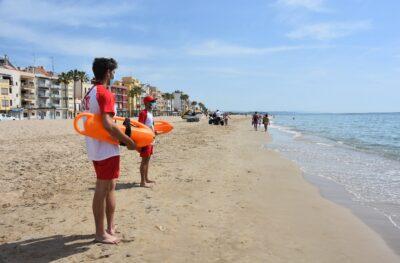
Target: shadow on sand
<point x="122" y="186"/>
<point x="45" y="249"/>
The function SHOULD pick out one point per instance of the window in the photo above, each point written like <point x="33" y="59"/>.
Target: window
<point x="10" y="90"/>
<point x="4" y="91"/>
<point x="11" y="103"/>
<point x="4" y="103"/>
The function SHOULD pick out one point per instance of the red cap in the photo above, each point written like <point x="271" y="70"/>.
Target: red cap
<point x="148" y="99"/>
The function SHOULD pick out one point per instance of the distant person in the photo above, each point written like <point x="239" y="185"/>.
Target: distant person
<point x="146" y="117"/>
<point x="226" y="117"/>
<point x="105" y="156"/>
<point x="218" y="114"/>
<point x="255" y="120"/>
<point x="265" y="121"/>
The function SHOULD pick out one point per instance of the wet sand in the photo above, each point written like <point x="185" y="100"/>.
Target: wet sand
<point x="220" y="197"/>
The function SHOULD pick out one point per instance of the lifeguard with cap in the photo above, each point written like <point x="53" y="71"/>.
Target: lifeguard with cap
<point x="146" y="117"/>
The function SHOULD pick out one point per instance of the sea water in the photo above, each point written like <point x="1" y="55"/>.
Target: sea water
<point x="360" y="152"/>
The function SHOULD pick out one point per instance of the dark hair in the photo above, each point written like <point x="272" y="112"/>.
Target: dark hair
<point x="101" y="65"/>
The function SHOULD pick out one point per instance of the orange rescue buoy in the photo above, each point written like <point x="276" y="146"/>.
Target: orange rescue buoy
<point x="162" y="127"/>
<point x="93" y="127"/>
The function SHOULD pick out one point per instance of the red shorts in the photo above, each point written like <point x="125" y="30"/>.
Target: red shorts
<point x="107" y="169"/>
<point x="146" y="151"/>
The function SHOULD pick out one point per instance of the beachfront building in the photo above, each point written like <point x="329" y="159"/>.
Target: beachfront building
<point x="131" y="83"/>
<point x="121" y="99"/>
<point x="28" y="94"/>
<point x="48" y="94"/>
<point x="10" y="75"/>
<point x="4" y="96"/>
<point x="161" y="104"/>
<point x="177" y="104"/>
<point x="67" y="100"/>
<point x="167" y="103"/>
<point x="146" y="91"/>
<point x="156" y="93"/>
<point x="81" y="88"/>
<point x="67" y="94"/>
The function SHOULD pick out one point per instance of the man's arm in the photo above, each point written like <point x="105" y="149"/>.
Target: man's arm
<point x="115" y="132"/>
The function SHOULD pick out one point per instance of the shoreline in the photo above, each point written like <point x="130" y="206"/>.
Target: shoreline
<point x="378" y="222"/>
<point x="219" y="197"/>
<point x="337" y="193"/>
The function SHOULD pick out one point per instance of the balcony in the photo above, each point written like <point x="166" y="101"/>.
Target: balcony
<point x="54" y="105"/>
<point x="28" y="86"/>
<point x="55" y="96"/>
<point x="43" y="95"/>
<point x="44" y="84"/>
<point x="55" y="86"/>
<point x="44" y="105"/>
<point x="28" y="97"/>
<point x="28" y="105"/>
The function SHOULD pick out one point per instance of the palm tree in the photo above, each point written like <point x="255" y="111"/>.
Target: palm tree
<point x="77" y="75"/>
<point x="135" y="93"/>
<point x="184" y="97"/>
<point x="65" y="78"/>
<point x="201" y="105"/>
<point x="194" y="103"/>
<point x="83" y="77"/>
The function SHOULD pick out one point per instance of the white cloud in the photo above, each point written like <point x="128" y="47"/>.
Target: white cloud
<point x="218" y="48"/>
<point x="326" y="31"/>
<point x="74" y="45"/>
<point x="311" y="5"/>
<point x="71" y="13"/>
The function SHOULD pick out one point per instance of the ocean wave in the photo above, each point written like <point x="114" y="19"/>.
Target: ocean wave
<point x="296" y="134"/>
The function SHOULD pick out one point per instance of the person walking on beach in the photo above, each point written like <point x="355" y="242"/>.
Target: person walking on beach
<point x="226" y="117"/>
<point x="146" y="117"/>
<point x="255" y="120"/>
<point x="265" y="121"/>
<point x="105" y="156"/>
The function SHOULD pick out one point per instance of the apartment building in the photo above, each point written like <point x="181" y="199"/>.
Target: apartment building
<point x="121" y="99"/>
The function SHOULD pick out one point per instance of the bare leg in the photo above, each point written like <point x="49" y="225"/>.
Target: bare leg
<point x="147" y="172"/>
<point x="143" y="169"/>
<point x="110" y="208"/>
<point x="100" y="194"/>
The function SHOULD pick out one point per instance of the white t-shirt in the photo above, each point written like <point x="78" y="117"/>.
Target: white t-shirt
<point x="149" y="120"/>
<point x="99" y="100"/>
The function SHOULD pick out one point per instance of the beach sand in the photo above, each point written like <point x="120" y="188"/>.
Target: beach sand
<point x="220" y="197"/>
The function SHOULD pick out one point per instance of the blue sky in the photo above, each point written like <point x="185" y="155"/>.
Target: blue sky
<point x="284" y="55"/>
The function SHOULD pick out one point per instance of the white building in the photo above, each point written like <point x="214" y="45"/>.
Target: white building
<point x="177" y="102"/>
<point x="11" y="74"/>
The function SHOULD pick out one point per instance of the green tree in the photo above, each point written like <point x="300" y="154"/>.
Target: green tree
<point x="184" y="98"/>
<point x="65" y="78"/>
<point x="135" y="93"/>
<point x="194" y="104"/>
<point x="76" y="76"/>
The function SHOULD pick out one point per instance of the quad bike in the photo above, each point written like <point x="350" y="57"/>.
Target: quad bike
<point x="213" y="119"/>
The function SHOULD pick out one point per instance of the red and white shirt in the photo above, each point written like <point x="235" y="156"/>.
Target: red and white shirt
<point x="146" y="117"/>
<point x="99" y="100"/>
